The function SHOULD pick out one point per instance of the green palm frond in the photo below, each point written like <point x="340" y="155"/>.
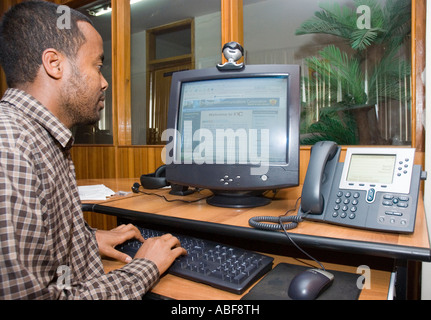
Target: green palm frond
<point x="387" y="24"/>
<point x="336" y="66"/>
<point x="363" y="38"/>
<point x="341" y="83"/>
<point x="398" y="25"/>
<point x="333" y="20"/>
<point x="332" y="126"/>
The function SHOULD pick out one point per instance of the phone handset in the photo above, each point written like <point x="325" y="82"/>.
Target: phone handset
<point x="312" y="199"/>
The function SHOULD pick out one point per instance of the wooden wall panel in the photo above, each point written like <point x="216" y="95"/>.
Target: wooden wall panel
<point x="99" y="161"/>
<point x="109" y="162"/>
<point x="100" y="221"/>
<point x="94" y="161"/>
<point x="135" y="161"/>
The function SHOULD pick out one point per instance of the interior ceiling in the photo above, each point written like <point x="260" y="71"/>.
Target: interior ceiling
<point x="153" y="13"/>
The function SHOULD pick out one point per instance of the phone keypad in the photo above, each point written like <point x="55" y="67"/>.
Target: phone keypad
<point x="346" y="204"/>
<point x="394" y="213"/>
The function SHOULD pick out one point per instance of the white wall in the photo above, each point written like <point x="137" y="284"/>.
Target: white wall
<point x="426" y="267"/>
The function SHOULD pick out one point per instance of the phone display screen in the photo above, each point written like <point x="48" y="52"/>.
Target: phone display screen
<point x="371" y="168"/>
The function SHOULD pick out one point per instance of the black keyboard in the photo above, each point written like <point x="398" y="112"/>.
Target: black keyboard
<point x="224" y="267"/>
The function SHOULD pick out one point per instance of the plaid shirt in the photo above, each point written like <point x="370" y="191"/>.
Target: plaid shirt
<point x="47" y="249"/>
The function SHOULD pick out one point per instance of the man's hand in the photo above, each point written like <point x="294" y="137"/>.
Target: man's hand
<point x="161" y="250"/>
<point x="107" y="240"/>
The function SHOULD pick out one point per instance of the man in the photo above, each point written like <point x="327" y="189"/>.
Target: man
<point x="47" y="249"/>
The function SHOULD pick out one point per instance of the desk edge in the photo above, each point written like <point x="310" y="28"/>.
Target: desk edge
<point x="334" y="244"/>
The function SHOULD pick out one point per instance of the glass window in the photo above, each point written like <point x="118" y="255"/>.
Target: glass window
<point x="355" y="64"/>
<point x="201" y="40"/>
<point x="101" y="132"/>
<point x="173" y="43"/>
<point x="167" y="36"/>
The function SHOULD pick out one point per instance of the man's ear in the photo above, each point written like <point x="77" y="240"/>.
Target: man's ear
<point x="53" y="63"/>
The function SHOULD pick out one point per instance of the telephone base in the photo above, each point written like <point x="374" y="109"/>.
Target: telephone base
<point x="388" y="212"/>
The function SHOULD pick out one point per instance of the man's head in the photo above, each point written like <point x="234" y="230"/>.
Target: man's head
<point x="60" y="63"/>
<point x="27" y="30"/>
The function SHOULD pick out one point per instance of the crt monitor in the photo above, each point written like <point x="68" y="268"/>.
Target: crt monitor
<point x="234" y="132"/>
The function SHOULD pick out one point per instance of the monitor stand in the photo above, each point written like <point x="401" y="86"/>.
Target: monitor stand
<point x="238" y="199"/>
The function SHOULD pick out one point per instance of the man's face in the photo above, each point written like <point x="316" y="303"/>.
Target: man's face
<point x="83" y="93"/>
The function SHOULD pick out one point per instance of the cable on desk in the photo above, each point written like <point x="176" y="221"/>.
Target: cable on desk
<point x="136" y="186"/>
<point x="277" y="223"/>
<point x="283" y="223"/>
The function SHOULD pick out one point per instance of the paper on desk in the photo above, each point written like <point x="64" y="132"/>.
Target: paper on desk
<point x="94" y="192"/>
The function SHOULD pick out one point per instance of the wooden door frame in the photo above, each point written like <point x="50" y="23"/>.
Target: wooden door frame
<point x="153" y="64"/>
<point x="156" y="114"/>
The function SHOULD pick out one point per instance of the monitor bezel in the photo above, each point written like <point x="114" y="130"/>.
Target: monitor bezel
<point x="196" y="177"/>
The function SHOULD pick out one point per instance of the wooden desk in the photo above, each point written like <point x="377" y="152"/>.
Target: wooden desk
<point x="181" y="289"/>
<point x="329" y="242"/>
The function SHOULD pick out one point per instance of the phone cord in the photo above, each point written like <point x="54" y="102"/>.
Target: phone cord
<point x="275" y="223"/>
<point x="283" y="223"/>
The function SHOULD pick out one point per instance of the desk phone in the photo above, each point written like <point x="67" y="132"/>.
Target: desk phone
<point x="375" y="188"/>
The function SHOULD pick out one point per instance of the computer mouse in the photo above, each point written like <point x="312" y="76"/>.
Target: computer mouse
<point x="309" y="284"/>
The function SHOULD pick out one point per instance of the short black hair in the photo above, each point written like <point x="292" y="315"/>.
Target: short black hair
<point x="27" y="30"/>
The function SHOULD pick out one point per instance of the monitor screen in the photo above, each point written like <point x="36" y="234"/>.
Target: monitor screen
<point x="229" y="121"/>
<point x="234" y="132"/>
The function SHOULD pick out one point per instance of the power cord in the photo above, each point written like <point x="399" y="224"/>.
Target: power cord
<point x="136" y="186"/>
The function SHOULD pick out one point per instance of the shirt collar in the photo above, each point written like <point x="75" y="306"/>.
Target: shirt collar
<point x="28" y="105"/>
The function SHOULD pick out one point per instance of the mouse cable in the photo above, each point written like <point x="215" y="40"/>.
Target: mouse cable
<point x="283" y="223"/>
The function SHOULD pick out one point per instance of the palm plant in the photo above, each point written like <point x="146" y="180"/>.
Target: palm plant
<point x="354" y="82"/>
